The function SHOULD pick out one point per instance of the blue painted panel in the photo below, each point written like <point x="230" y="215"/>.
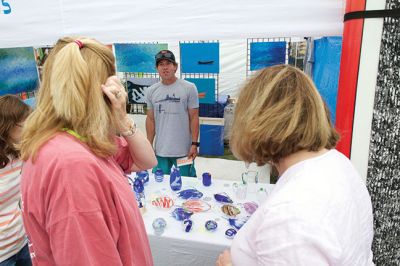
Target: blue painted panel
<point x="18" y="71"/>
<point x="265" y="54"/>
<point x="199" y="57"/>
<point x="132" y="57"/>
<point x="205" y="88"/>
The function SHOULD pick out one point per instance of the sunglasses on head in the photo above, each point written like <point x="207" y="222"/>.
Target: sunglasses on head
<point x="164" y="55"/>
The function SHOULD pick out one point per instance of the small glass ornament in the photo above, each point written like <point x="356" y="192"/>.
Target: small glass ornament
<point x="230" y="233"/>
<point x="175" y="179"/>
<point x="206" y="179"/>
<point x="163" y="202"/>
<point x="196" y="206"/>
<point x="159" y="175"/>
<point x="223" y="198"/>
<point x="237" y="223"/>
<point x="144" y="176"/>
<point x="159" y="225"/>
<point x="230" y="210"/>
<point x="181" y="214"/>
<point x="211" y="225"/>
<point x="250" y="207"/>
<point x="187" y="225"/>
<point x="190" y="194"/>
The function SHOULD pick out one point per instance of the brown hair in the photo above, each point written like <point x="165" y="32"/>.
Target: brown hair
<point x="70" y="96"/>
<point x="12" y="111"/>
<point x="280" y="112"/>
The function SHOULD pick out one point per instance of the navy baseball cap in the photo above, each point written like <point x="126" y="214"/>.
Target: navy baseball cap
<point x="165" y="54"/>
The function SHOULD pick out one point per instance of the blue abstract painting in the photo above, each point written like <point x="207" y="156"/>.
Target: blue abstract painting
<point x="265" y="54"/>
<point x="139" y="58"/>
<point x="205" y="88"/>
<point x="18" y="71"/>
<point x="199" y="57"/>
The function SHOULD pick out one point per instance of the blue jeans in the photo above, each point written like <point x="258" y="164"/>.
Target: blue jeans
<point x="22" y="258"/>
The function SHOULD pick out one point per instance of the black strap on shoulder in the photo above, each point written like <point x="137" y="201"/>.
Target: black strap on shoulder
<point x="394" y="13"/>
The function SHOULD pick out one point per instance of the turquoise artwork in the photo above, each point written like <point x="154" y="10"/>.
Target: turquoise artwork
<point x="18" y="71"/>
<point x="265" y="54"/>
<point x="199" y="57"/>
<point x="205" y="88"/>
<point x="138" y="58"/>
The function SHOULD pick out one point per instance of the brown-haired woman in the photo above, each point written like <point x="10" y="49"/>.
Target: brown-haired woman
<point x="13" y="241"/>
<point x="319" y="212"/>
<point x="78" y="207"/>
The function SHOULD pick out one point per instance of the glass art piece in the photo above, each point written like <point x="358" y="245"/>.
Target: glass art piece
<point x="191" y="193"/>
<point x="159" y="175"/>
<point x="181" y="214"/>
<point x="223" y="198"/>
<point x="250" y="207"/>
<point x="211" y="225"/>
<point x="230" y="233"/>
<point x="163" y="202"/>
<point x="144" y="176"/>
<point x="196" y="206"/>
<point x="175" y="179"/>
<point x="237" y="223"/>
<point x="230" y="210"/>
<point x="159" y="225"/>
<point x="187" y="225"/>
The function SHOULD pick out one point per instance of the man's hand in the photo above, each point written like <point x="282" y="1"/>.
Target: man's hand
<point x="192" y="152"/>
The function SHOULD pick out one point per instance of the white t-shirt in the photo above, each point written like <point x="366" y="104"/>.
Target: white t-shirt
<point x="319" y="213"/>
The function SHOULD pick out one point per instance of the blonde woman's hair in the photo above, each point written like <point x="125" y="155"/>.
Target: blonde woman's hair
<point x="70" y="96"/>
<point x="280" y="112"/>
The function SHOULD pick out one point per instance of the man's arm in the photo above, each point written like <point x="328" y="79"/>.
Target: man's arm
<point x="194" y="130"/>
<point x="150" y="125"/>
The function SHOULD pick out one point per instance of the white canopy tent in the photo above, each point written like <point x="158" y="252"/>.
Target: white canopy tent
<point x="38" y="23"/>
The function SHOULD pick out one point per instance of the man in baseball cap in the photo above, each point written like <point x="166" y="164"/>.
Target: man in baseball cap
<point x="172" y="122"/>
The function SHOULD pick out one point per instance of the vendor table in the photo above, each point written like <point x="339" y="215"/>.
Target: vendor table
<point x="199" y="246"/>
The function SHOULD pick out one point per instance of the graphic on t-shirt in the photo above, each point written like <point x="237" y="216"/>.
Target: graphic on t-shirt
<point x="170" y="99"/>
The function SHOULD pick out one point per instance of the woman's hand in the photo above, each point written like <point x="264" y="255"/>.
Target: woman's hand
<point x="224" y="259"/>
<point x="115" y="91"/>
<point x="117" y="95"/>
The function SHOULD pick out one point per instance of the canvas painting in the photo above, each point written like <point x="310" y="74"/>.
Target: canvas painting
<point x="18" y="72"/>
<point x="136" y="88"/>
<point x="205" y="88"/>
<point x="199" y="57"/>
<point x="138" y="58"/>
<point x="265" y="54"/>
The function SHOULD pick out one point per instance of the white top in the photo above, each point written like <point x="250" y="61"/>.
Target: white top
<point x="319" y="213"/>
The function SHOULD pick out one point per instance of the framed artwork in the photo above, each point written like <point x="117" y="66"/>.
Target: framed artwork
<point x="199" y="57"/>
<point x="136" y="88"/>
<point x="205" y="88"/>
<point x="18" y="71"/>
<point x="139" y="58"/>
<point x="265" y="54"/>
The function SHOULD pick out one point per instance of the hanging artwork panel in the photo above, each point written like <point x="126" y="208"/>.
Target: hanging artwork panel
<point x="265" y="54"/>
<point x="205" y="88"/>
<point x="18" y="71"/>
<point x="139" y="58"/>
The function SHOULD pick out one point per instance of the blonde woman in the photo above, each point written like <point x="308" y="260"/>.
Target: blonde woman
<point x="320" y="211"/>
<point x="78" y="208"/>
<point x="13" y="242"/>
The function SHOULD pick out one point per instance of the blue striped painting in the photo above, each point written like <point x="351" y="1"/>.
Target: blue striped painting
<point x="138" y="58"/>
<point x="18" y="71"/>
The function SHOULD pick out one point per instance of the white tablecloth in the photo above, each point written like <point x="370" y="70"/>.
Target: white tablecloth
<point x="198" y="247"/>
